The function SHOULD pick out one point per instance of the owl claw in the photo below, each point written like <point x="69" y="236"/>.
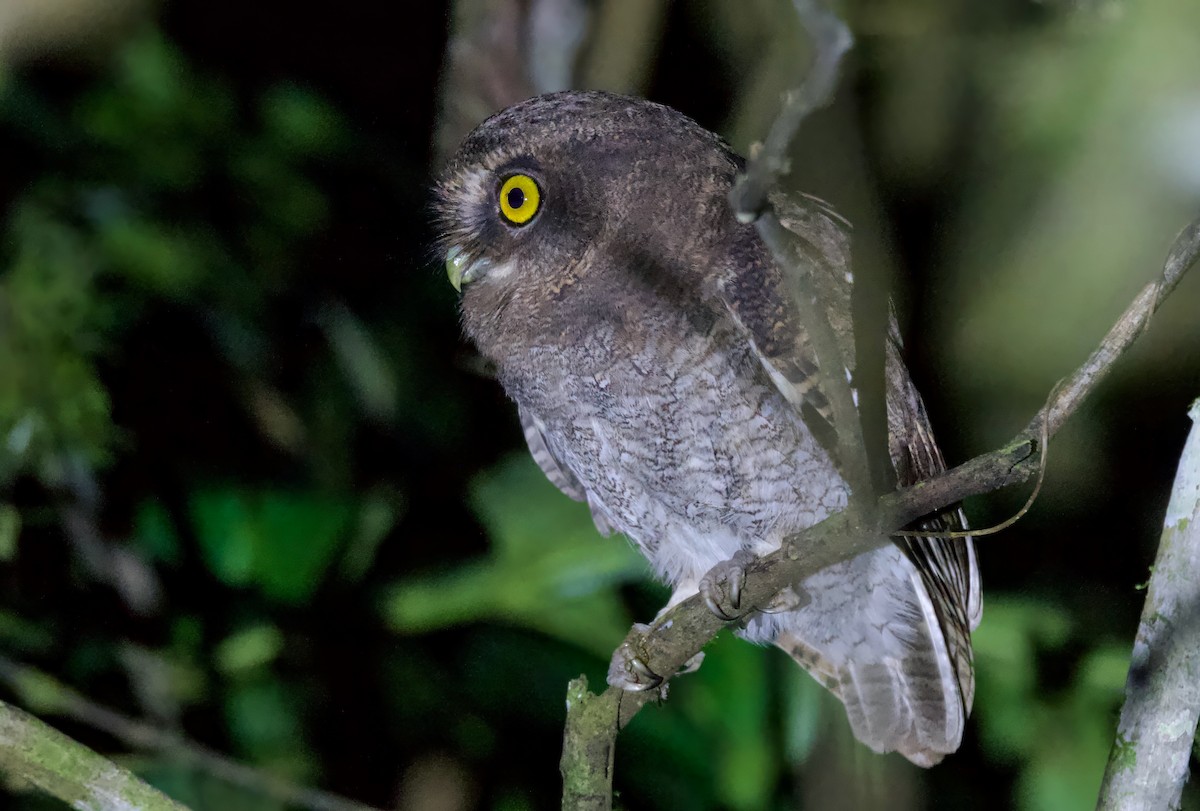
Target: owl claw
<point x="715" y="608"/>
<point x="732" y="574"/>
<point x="652" y="678"/>
<point x="628" y="671"/>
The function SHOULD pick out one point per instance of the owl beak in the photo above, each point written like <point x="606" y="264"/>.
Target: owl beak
<point x="460" y="269"/>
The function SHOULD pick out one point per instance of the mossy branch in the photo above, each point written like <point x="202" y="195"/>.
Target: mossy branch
<point x="68" y="770"/>
<point x="60" y="773"/>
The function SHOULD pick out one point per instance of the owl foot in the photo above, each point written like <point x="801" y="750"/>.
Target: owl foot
<point x="792" y="598"/>
<point x="726" y="602"/>
<point x="629" y="672"/>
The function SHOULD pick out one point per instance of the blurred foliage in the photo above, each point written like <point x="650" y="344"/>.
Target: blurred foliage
<point x="548" y="569"/>
<point x="253" y="492"/>
<point x="111" y="229"/>
<point x="1060" y="738"/>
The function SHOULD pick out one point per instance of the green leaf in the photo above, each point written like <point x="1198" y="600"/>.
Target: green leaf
<point x="226" y="533"/>
<point x="154" y="533"/>
<point x="1007" y="703"/>
<point x="1065" y="774"/>
<point x="51" y="399"/>
<point x="280" y="542"/>
<point x="1102" y="672"/>
<point x="248" y="649"/>
<point x="732" y="688"/>
<point x="20" y="634"/>
<point x="263" y="718"/>
<point x="548" y="569"/>
<point x="376" y="518"/>
<point x="162" y="259"/>
<point x="366" y="368"/>
<point x="803" y="714"/>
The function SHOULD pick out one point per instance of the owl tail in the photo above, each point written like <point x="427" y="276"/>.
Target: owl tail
<point x="872" y="636"/>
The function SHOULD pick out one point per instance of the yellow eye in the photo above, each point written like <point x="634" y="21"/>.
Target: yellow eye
<point x="520" y="199"/>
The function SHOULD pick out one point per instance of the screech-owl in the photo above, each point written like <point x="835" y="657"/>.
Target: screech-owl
<point x="663" y="376"/>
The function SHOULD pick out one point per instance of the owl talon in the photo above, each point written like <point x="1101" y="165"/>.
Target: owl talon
<point x="652" y="678"/>
<point x="732" y="575"/>
<point x="715" y="608"/>
<point x="628" y="670"/>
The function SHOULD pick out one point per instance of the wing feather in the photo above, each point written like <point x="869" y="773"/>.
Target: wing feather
<point x="945" y="576"/>
<point x="558" y="474"/>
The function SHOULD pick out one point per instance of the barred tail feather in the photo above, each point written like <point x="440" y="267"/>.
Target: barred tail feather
<point x="883" y="653"/>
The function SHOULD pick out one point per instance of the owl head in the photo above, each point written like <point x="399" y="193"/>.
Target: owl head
<point x="556" y="189"/>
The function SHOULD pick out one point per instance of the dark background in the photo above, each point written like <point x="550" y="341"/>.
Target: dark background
<point x="255" y="489"/>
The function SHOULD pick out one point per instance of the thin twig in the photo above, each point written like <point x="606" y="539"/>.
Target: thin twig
<point x="47" y="692"/>
<point x="996" y="529"/>
<point x="1148" y="765"/>
<point x="831" y="39"/>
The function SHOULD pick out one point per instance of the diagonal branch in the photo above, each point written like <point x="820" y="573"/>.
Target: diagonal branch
<point x="68" y="770"/>
<point x="682" y="632"/>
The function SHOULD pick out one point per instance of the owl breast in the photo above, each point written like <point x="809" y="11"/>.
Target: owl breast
<point x="682" y="444"/>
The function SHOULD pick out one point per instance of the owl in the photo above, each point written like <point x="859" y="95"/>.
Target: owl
<point x="663" y="376"/>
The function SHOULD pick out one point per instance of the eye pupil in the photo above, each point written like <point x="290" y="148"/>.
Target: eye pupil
<point x="516" y="198"/>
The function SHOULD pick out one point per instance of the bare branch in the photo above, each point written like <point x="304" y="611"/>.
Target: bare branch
<point x="831" y="40"/>
<point x="832" y="364"/>
<point x="1148" y="765"/>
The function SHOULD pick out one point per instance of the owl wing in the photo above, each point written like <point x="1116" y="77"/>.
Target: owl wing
<point x="757" y="296"/>
<point x="888" y="708"/>
<point x="556" y="472"/>
<point x="947" y="566"/>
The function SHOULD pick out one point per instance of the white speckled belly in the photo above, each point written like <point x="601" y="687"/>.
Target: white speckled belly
<point x="691" y="452"/>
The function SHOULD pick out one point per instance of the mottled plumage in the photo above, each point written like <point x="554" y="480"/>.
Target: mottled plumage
<point x="663" y="376"/>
